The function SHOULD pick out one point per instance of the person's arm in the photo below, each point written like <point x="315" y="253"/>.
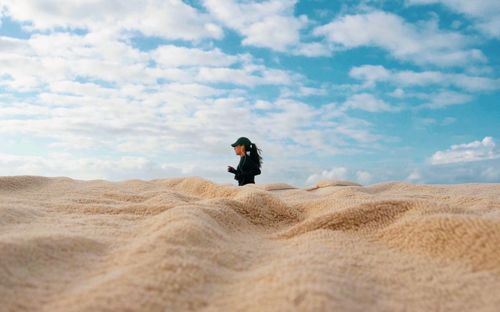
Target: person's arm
<point x="231" y="169"/>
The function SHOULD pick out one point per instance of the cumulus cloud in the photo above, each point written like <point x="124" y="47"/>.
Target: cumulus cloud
<point x="62" y="164"/>
<point x="303" y="91"/>
<point x="337" y="173"/>
<point x="171" y="19"/>
<point x="373" y="74"/>
<point x="367" y="102"/>
<point x="409" y="85"/>
<point x="428" y="121"/>
<point x="473" y="172"/>
<point x="422" y="44"/>
<point x="485" y="13"/>
<point x="340" y="173"/>
<point x="246" y="76"/>
<point x="267" y="24"/>
<point x="443" y="99"/>
<point x="468" y="152"/>
<point x="98" y="93"/>
<point x="80" y="85"/>
<point x="94" y="95"/>
<point x="95" y="91"/>
<point x="363" y="177"/>
<point x="312" y="49"/>
<point x="177" y="56"/>
<point x="46" y="58"/>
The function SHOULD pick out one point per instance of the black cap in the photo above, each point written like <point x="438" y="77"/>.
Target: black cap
<point x="242" y="141"/>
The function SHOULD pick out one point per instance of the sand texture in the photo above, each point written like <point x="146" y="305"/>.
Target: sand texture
<point x="190" y="244"/>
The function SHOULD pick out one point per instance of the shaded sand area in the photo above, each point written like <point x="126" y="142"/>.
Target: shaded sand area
<point x="189" y="244"/>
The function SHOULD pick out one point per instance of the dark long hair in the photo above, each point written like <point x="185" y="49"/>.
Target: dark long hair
<point x="255" y="154"/>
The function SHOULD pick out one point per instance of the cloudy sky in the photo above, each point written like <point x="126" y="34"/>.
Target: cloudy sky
<point x="368" y="91"/>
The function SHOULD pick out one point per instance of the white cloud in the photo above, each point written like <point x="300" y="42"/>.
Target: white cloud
<point x="121" y="108"/>
<point x="486" y="13"/>
<point x="468" y="152"/>
<point x="120" y="104"/>
<point x="414" y="176"/>
<point x="264" y="105"/>
<point x="62" y="164"/>
<point x="312" y="49"/>
<point x="444" y="99"/>
<point x="363" y="177"/>
<point x="277" y="32"/>
<point x="93" y="92"/>
<point x="11" y="45"/>
<point x="372" y="74"/>
<point x="63" y="56"/>
<point x="176" y="56"/>
<point x="422" y="44"/>
<point x="470" y="172"/>
<point x="422" y="123"/>
<point x="193" y="89"/>
<point x="303" y="92"/>
<point x="448" y="121"/>
<point x="268" y="24"/>
<point x="367" y="102"/>
<point x="337" y="173"/>
<point x="398" y="93"/>
<point x="47" y="59"/>
<point x="246" y="76"/>
<point x="171" y="19"/>
<point x="340" y="173"/>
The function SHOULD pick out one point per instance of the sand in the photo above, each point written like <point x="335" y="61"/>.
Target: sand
<point x="190" y="244"/>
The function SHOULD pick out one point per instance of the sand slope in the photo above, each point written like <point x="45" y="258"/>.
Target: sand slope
<point x="189" y="244"/>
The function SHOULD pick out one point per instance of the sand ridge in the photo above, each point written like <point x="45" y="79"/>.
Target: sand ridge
<point x="190" y="244"/>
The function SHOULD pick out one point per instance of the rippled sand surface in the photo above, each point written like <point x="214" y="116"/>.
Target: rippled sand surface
<point x="190" y="244"/>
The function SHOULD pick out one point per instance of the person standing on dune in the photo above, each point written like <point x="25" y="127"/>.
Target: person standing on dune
<point x="250" y="161"/>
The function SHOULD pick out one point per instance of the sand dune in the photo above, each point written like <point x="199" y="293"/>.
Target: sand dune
<point x="189" y="244"/>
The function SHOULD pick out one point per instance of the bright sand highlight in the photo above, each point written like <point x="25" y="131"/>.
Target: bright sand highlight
<point x="189" y="244"/>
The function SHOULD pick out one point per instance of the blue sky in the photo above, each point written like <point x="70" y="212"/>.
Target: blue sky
<point x="368" y="91"/>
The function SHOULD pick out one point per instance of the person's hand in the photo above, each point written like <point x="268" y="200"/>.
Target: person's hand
<point x="231" y="169"/>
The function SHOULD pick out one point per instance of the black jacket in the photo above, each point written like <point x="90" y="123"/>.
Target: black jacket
<point x="246" y="171"/>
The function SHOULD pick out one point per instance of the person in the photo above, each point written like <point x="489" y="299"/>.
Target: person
<point x="250" y="161"/>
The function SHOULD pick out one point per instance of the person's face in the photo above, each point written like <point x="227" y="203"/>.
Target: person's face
<point x="239" y="150"/>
